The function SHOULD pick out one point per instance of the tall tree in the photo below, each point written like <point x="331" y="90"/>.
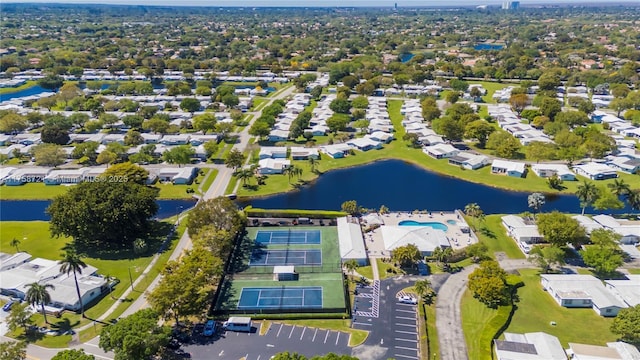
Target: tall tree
<point x="424" y="290"/>
<point x="488" y="283"/>
<point x="71" y="263"/>
<point x="627" y="324"/>
<point x="546" y="257"/>
<point x="235" y="159"/>
<point x="15" y="243"/>
<point x="135" y="337"/>
<point x="220" y="213"/>
<point x="38" y="294"/>
<point x="587" y="193"/>
<point x="559" y="229"/>
<point x="535" y="201"/>
<point x="180" y="155"/>
<point x="406" y="255"/>
<point x="120" y="213"/>
<point x="13" y="350"/>
<point x="19" y="317"/>
<point x="73" y="354"/>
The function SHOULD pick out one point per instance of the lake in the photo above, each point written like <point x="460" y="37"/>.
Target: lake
<point x="406" y="57"/>
<point x="33" y="90"/>
<point x="32" y="210"/>
<point x="403" y="186"/>
<point x="480" y="47"/>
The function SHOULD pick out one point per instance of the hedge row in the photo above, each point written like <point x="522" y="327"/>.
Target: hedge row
<point x="293" y="213"/>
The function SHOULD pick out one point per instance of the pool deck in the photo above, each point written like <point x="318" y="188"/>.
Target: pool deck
<point x="457" y="239"/>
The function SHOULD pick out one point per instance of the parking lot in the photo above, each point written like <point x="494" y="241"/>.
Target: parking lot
<point x="250" y="346"/>
<point x="405" y="336"/>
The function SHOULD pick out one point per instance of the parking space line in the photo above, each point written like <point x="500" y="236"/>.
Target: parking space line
<point x="359" y="323"/>
<point x="406" y="318"/>
<point x="406" y="348"/>
<point x="303" y="330"/>
<point x="258" y="357"/>
<point x="281" y="325"/>
<point x="406" y="356"/>
<point x="326" y="336"/>
<point x="314" y="335"/>
<point x="291" y="333"/>
<point x="337" y="338"/>
<point x="407" y="340"/>
<point x="406" y="332"/>
<point x="410" y="325"/>
<point x="406" y="311"/>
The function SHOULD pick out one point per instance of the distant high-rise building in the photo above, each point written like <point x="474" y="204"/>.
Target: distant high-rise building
<point x="395" y="6"/>
<point x="510" y="5"/>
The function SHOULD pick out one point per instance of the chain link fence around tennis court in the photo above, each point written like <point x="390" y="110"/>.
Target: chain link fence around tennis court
<point x="300" y="269"/>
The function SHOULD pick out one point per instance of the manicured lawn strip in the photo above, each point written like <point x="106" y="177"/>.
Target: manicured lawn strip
<point x="208" y="180"/>
<point x="11" y="90"/>
<point x="366" y="271"/>
<point x="432" y="333"/>
<point x="536" y="310"/>
<point x="491" y="88"/>
<point x="258" y="103"/>
<point x="384" y="266"/>
<point x="357" y="336"/>
<point x="31" y="191"/>
<point x="634" y="271"/>
<point x="398" y="149"/>
<point x="476" y="318"/>
<point x="493" y="234"/>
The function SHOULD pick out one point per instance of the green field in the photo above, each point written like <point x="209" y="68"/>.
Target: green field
<point x="24" y="86"/>
<point x="493" y="234"/>
<point x="398" y="149"/>
<point x="536" y="310"/>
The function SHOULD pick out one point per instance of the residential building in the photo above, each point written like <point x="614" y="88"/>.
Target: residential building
<point x="177" y="175"/>
<point x="273" y="166"/>
<point x="424" y="237"/>
<point x="303" y="153"/>
<point x="529" y="346"/>
<point x="627" y="290"/>
<point x="595" y="171"/>
<point x="548" y="170"/>
<point x="509" y="168"/>
<point x="273" y="152"/>
<point x="582" y="291"/>
<point x="613" y="351"/>
<point x="441" y="151"/>
<point x="523" y="231"/>
<point x="469" y="161"/>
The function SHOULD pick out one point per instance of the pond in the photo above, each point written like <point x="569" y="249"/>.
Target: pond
<point x="406" y="57"/>
<point x="33" y="210"/>
<point x="33" y="90"/>
<point x="403" y="186"/>
<point x="479" y="47"/>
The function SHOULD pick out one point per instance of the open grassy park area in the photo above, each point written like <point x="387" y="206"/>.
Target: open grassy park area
<point x="493" y="234"/>
<point x="398" y="149"/>
<point x="35" y="239"/>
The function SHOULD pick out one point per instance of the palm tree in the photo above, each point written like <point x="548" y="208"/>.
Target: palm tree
<point x="383" y="209"/>
<point x="71" y="263"/>
<point x="244" y="175"/>
<point x="298" y="172"/>
<point x="15" y="243"/>
<point x="619" y="187"/>
<point x="38" y="294"/>
<point x="587" y="193"/>
<point x="424" y="290"/>
<point x="290" y="171"/>
<point x="633" y="198"/>
<point x="312" y="164"/>
<point x="350" y="266"/>
<point x="109" y="279"/>
<point x="474" y="211"/>
<point x="536" y="200"/>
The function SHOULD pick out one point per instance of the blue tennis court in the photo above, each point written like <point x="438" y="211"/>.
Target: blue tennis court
<point x="261" y="257"/>
<point x="288" y="237"/>
<point x="281" y="297"/>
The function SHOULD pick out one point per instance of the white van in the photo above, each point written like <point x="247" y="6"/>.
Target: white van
<point x="238" y="323"/>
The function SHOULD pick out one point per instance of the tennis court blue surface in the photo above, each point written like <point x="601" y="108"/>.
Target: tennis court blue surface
<point x="280" y="297"/>
<point x="261" y="257"/>
<point x="288" y="237"/>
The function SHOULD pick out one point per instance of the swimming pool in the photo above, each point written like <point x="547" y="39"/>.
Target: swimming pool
<point x="451" y="222"/>
<point x="432" y="224"/>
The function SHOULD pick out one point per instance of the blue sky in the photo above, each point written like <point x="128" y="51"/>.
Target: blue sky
<point x="371" y="3"/>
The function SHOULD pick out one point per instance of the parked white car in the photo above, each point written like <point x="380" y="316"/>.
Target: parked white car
<point x="408" y="300"/>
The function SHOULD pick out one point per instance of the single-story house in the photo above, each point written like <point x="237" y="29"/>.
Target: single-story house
<point x="509" y="168"/>
<point x="26" y="175"/>
<point x="336" y="151"/>
<point x="428" y="140"/>
<point x="151" y="138"/>
<point x="63" y="294"/>
<point x="196" y="139"/>
<point x="628" y="229"/>
<point x="273" y="152"/>
<point x="273" y="166"/>
<point x="5" y="172"/>
<point x="177" y="175"/>
<point x="66" y="176"/>
<point x="364" y="144"/>
<point x="5" y="139"/>
<point x="626" y="290"/>
<point x="424" y="237"/>
<point x="625" y="164"/>
<point x="318" y="130"/>
<point x="180" y="139"/>
<point x="9" y="261"/>
<point x="595" y="171"/>
<point x="441" y="151"/>
<point x="529" y="346"/>
<point x="351" y="241"/>
<point x="613" y="351"/>
<point x="381" y="136"/>
<point x="581" y="291"/>
<point x="303" y="153"/>
<point x="469" y="161"/>
<point x="587" y="223"/>
<point x="93" y="172"/>
<point x="278" y="135"/>
<point x="548" y="170"/>
<point x="523" y="232"/>
<point x="27" y="139"/>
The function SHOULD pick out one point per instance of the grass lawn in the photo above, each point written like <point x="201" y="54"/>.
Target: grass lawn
<point x="475" y="320"/>
<point x="357" y="336"/>
<point x="366" y="271"/>
<point x="634" y="271"/>
<point x="493" y="234"/>
<point x="209" y="177"/>
<point x="11" y="90"/>
<point x="36" y="240"/>
<point x="432" y="333"/>
<point x="398" y="149"/>
<point x="536" y="310"/>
